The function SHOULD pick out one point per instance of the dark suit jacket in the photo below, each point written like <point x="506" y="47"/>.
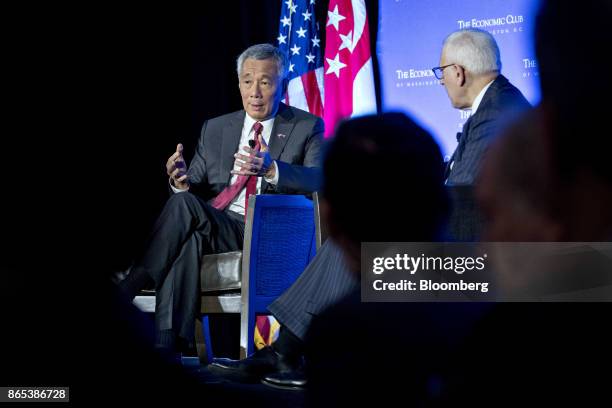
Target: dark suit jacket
<point x="297" y="153"/>
<point x="501" y="102"/>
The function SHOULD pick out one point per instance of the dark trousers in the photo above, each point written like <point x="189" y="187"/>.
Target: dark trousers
<point x="186" y="229"/>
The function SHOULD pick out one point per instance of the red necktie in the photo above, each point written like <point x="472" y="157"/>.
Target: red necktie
<point x="232" y="191"/>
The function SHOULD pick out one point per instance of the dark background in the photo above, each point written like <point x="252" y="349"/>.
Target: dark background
<point x="95" y="101"/>
<point x="101" y="99"/>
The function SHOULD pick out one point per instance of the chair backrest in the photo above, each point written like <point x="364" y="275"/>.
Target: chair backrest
<point x="280" y="240"/>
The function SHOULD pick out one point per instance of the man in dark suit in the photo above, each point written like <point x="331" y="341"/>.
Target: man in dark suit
<point x="544" y="353"/>
<point x="280" y="154"/>
<point x="470" y="69"/>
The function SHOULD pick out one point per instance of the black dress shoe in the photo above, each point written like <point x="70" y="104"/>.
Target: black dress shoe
<point x="253" y="368"/>
<point x="288" y="380"/>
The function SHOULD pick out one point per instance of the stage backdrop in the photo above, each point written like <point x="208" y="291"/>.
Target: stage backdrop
<point x="410" y="39"/>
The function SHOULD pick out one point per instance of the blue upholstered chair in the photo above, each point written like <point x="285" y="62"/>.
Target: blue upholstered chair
<point x="282" y="234"/>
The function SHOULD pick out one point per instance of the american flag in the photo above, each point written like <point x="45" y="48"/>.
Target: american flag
<point x="341" y="84"/>
<point x="345" y="81"/>
<point x="349" y="77"/>
<point x="299" y="38"/>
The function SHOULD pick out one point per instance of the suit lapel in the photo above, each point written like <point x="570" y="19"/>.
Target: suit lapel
<point x="465" y="132"/>
<point x="492" y="92"/>
<point x="281" y="132"/>
<point x="487" y="97"/>
<point x="447" y="168"/>
<point x="229" y="143"/>
<point x="463" y="138"/>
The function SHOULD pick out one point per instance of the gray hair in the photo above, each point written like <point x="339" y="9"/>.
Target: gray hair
<point x="263" y="52"/>
<point x="473" y="49"/>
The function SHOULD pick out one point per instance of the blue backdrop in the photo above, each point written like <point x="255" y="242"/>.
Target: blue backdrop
<point x="410" y="39"/>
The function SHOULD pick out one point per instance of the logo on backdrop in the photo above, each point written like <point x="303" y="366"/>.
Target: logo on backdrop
<point x="498" y="25"/>
<point x="406" y="82"/>
<point x="530" y="66"/>
<point x="414" y="77"/>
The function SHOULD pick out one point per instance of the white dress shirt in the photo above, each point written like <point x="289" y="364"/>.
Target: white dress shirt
<point x="237" y="204"/>
<point x="479" y="97"/>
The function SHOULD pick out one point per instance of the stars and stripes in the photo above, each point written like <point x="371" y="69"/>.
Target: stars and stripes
<point x="346" y="75"/>
<point x="298" y="37"/>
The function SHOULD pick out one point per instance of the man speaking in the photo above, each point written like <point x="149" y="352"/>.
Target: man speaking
<point x="267" y="147"/>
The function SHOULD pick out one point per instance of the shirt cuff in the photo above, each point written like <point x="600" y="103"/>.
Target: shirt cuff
<point x="274" y="180"/>
<point x="176" y="190"/>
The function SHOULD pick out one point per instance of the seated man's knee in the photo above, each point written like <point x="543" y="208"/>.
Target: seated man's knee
<point x="185" y="199"/>
<point x="188" y="203"/>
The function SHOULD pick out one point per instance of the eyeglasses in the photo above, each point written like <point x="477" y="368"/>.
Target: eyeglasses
<point x="439" y="71"/>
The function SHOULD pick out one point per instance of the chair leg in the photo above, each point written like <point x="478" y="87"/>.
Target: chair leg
<point x="244" y="332"/>
<point x="251" y="334"/>
<point x="203" y="341"/>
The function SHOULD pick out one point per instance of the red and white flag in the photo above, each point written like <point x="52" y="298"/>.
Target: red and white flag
<point x="349" y="77"/>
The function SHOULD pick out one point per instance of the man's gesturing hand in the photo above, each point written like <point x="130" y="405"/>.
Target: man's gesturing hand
<point x="177" y="169"/>
<point x="256" y="163"/>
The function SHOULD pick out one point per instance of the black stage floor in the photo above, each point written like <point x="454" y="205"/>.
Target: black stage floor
<point x="256" y="395"/>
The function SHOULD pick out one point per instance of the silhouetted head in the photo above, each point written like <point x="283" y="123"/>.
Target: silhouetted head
<point x="383" y="182"/>
<point x="515" y="187"/>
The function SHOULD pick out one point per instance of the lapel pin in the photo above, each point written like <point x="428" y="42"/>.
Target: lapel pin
<point x="281" y="135"/>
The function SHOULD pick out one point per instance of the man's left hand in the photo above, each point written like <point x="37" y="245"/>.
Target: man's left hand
<point x="256" y="163"/>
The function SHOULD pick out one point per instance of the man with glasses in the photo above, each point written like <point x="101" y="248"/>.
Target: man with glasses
<point x="470" y="69"/>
